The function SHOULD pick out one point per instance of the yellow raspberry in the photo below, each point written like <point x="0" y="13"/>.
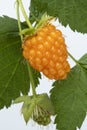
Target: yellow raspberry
<point x="47" y="52"/>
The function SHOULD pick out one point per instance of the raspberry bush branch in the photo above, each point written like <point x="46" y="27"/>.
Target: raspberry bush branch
<point x="73" y="58"/>
<point x="18" y="18"/>
<point x="20" y="30"/>
<point x="24" y="13"/>
<point x="31" y="80"/>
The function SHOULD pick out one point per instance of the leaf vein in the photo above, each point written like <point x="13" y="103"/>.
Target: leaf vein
<point x="10" y="78"/>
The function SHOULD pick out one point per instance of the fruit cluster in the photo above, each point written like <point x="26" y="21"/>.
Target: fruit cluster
<point x="46" y="51"/>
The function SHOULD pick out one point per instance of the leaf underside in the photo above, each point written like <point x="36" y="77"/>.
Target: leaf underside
<point x="69" y="12"/>
<point x="70" y="98"/>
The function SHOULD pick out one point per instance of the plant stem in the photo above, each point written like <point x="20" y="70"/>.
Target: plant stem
<point x="73" y="58"/>
<point x="24" y="14"/>
<point x="28" y="66"/>
<point x="31" y="80"/>
<point x="18" y="17"/>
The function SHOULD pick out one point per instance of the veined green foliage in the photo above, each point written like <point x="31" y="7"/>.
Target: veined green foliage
<point x="69" y="12"/>
<point x="70" y="98"/>
<point x="14" y="77"/>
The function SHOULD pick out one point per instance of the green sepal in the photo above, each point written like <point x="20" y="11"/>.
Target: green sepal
<point x="45" y="103"/>
<point x="28" y="31"/>
<point x="31" y="103"/>
<point x="37" y="25"/>
<point x="27" y="109"/>
<point x="21" y="99"/>
<point x="44" y="20"/>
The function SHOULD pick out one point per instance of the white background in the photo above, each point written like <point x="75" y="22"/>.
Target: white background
<point x="11" y="118"/>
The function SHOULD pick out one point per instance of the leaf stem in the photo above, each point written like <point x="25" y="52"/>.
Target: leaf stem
<point x="18" y="17"/>
<point x="20" y="30"/>
<point x="24" y="13"/>
<point x="73" y="58"/>
<point x="31" y="80"/>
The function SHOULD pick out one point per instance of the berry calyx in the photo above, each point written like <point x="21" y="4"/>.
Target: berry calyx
<point x="46" y="51"/>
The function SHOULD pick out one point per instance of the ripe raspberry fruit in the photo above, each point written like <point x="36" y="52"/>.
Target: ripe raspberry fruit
<point x="46" y="51"/>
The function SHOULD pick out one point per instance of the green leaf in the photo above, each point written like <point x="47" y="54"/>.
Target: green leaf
<point x="69" y="12"/>
<point x="8" y="25"/>
<point x="83" y="61"/>
<point x="14" y="76"/>
<point x="70" y="98"/>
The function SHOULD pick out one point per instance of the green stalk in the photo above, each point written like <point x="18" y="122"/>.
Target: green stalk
<point x="31" y="79"/>
<point x="24" y="14"/>
<point x="29" y="68"/>
<point x="18" y="17"/>
<point x="73" y="58"/>
<point x="44" y="19"/>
